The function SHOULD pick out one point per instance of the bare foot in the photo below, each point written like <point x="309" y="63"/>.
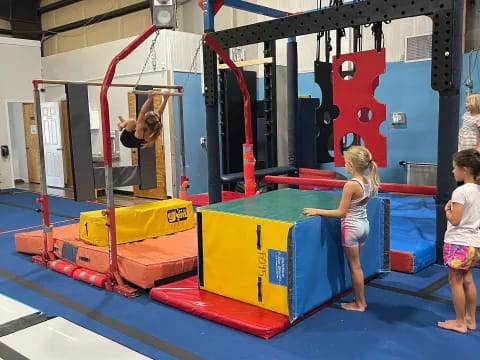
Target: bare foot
<point x="452" y="325"/>
<point x="353" y="306"/>
<point x="471" y="324"/>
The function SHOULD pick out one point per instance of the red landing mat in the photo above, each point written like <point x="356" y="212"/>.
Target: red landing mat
<point x="185" y="295"/>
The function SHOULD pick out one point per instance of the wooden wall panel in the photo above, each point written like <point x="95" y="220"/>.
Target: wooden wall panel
<point x="31" y="142"/>
<point x="71" y="40"/>
<point x="47" y="2"/>
<point x="103" y="32"/>
<point x="133" y="24"/>
<point x="96" y="33"/>
<point x="69" y="14"/>
<point x="95" y="7"/>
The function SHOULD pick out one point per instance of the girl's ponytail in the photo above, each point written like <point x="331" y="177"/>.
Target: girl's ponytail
<point x="375" y="178"/>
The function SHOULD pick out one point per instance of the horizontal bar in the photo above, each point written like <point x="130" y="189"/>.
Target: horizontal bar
<point x="63" y="82"/>
<point x="403" y="163"/>
<point x="148" y="92"/>
<point x="386" y="187"/>
<point x="260" y="61"/>
<point x="353" y="14"/>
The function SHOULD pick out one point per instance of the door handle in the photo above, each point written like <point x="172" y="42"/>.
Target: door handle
<point x="60" y="149"/>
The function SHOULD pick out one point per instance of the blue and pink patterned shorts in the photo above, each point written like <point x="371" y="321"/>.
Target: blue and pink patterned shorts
<point x="461" y="257"/>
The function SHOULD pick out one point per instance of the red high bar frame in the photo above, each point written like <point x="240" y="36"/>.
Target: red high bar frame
<point x="114" y="282"/>
<point x="248" y="156"/>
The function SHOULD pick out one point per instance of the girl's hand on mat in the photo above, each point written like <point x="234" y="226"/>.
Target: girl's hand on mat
<point x="310" y="211"/>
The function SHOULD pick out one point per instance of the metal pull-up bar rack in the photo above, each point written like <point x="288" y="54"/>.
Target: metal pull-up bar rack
<point x="115" y="282"/>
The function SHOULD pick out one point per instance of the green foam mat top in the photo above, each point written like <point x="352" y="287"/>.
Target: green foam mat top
<point x="283" y="205"/>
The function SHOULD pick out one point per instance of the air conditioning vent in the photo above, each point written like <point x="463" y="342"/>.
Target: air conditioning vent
<point x="418" y="48"/>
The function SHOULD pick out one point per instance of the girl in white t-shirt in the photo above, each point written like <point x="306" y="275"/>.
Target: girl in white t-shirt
<point x="461" y="251"/>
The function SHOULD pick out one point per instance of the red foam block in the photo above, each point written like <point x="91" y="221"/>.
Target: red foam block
<point x="202" y="199"/>
<point x="402" y="261"/>
<point x="185" y="295"/>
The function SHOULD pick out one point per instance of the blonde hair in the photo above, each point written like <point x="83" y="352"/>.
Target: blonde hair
<point x="152" y="128"/>
<point x="474" y="100"/>
<point x="361" y="159"/>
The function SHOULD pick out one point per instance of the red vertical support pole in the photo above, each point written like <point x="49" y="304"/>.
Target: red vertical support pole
<point x="248" y="155"/>
<point x="182" y="193"/>
<point x="115" y="281"/>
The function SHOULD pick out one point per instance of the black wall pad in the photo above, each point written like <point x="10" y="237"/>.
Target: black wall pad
<point x="80" y="141"/>
<point x="213" y="133"/>
<point x="292" y="100"/>
<point x="262" y="149"/>
<point x="122" y="176"/>
<point x="232" y="123"/>
<point x="325" y="113"/>
<point x="270" y="107"/>
<point x="146" y="156"/>
<point x="306" y="134"/>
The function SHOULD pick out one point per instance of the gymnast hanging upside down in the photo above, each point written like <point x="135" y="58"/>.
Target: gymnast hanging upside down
<point x="144" y="131"/>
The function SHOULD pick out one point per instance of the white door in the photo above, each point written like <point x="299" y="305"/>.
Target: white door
<point x="53" y="145"/>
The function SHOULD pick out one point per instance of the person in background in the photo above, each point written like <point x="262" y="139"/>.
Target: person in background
<point x="469" y="135"/>
<point x="461" y="251"/>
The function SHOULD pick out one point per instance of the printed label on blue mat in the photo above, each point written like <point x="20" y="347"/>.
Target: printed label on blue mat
<point x="277" y="267"/>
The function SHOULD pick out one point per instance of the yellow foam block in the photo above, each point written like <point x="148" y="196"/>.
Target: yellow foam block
<point x="138" y="222"/>
<point x="236" y="255"/>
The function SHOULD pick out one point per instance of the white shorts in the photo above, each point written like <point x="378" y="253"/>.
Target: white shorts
<point x="355" y="232"/>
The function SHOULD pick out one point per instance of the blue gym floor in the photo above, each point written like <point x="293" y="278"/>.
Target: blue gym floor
<point x="400" y="322"/>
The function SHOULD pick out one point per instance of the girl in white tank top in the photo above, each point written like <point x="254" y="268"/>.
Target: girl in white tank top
<point x="353" y="212"/>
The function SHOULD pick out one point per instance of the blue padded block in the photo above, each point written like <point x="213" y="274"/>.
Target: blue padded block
<point x="320" y="269"/>
<point x="413" y="224"/>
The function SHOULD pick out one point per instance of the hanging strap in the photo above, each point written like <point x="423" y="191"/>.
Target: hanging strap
<point x="152" y="53"/>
